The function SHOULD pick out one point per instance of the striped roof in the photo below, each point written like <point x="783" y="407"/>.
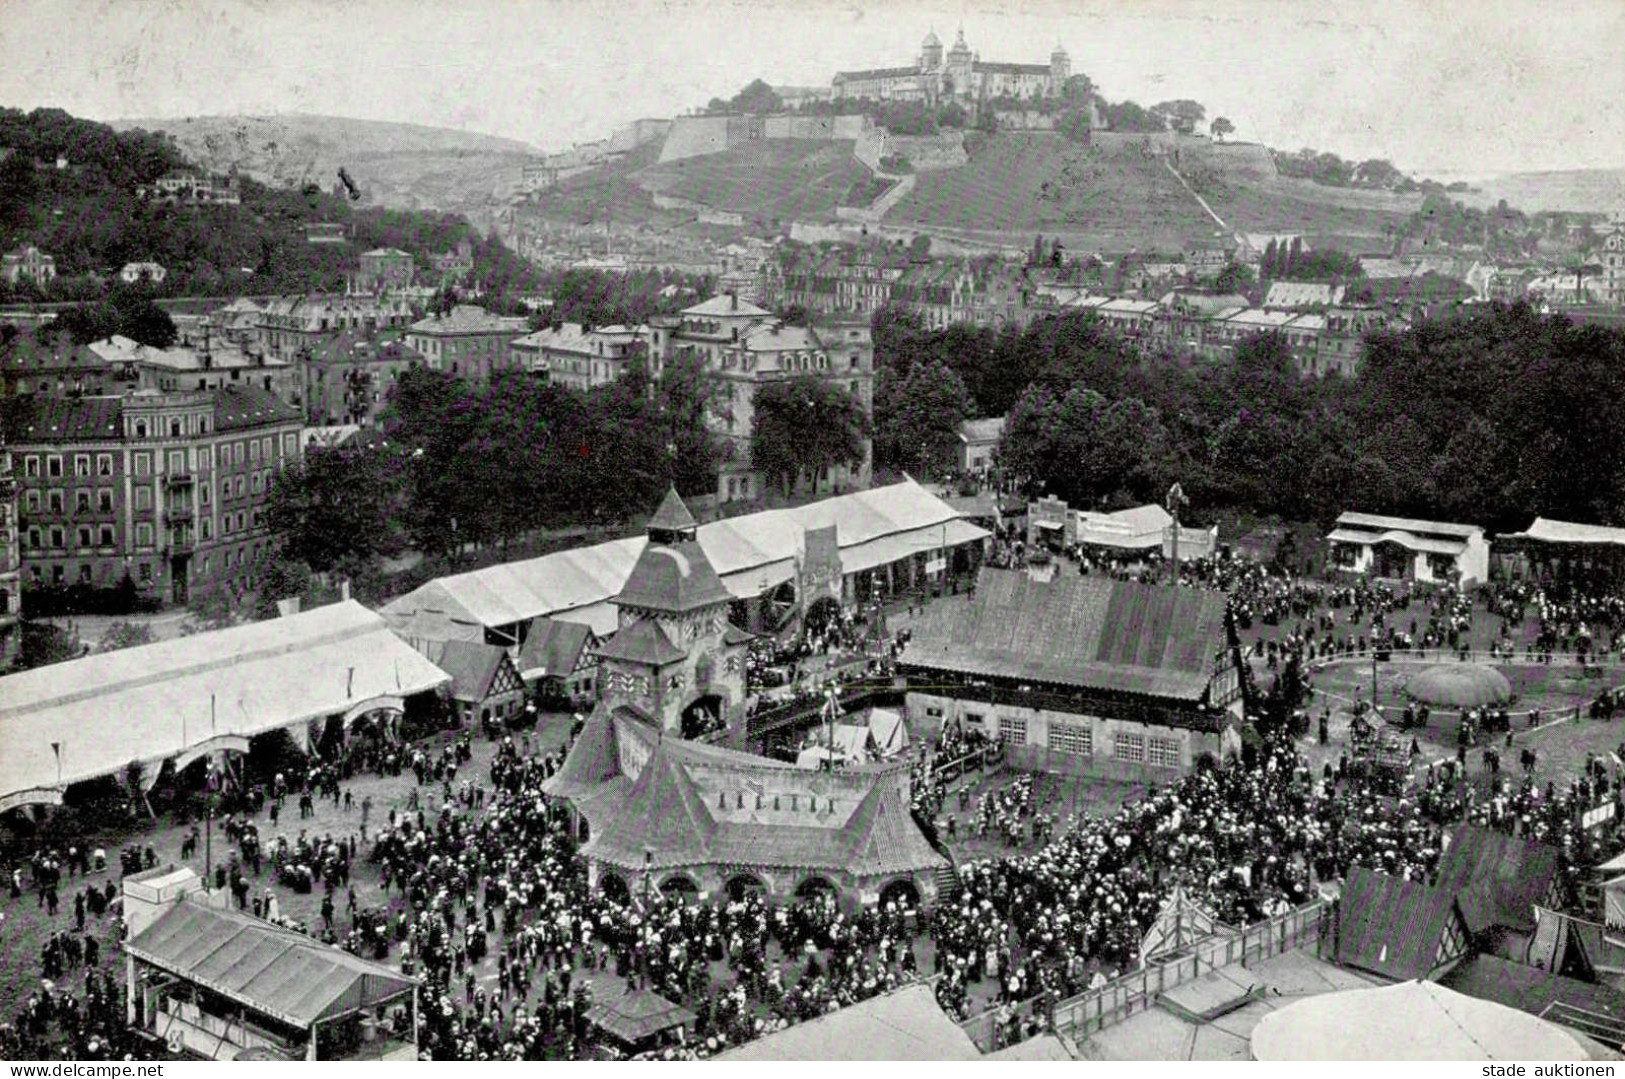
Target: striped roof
<point x="1088" y="632"/>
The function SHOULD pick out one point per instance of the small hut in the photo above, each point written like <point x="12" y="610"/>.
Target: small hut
<point x="641" y="1021"/>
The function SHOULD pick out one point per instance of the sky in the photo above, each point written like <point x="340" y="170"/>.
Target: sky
<point x="1448" y="88"/>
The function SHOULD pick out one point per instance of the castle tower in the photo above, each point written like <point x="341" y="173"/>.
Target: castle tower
<point x="961" y="65"/>
<point x="931" y="54"/>
<point x="1060" y="69"/>
<point x="674" y="653"/>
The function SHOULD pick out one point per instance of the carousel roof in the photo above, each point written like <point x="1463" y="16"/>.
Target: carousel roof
<point x="1460" y="685"/>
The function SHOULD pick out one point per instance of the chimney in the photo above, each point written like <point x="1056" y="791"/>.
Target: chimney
<point x="733" y="301"/>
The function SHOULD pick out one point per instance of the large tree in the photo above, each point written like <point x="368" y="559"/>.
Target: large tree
<point x="338" y="504"/>
<point x="917" y="417"/>
<point x="804" y="426"/>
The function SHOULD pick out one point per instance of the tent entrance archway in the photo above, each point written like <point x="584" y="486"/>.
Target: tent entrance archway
<point x="745" y="884"/>
<point x="1390" y="559"/>
<point x="703" y="715"/>
<point x="902" y="893"/>
<point x="680" y="887"/>
<point x="823" y="611"/>
<point x="613" y="885"/>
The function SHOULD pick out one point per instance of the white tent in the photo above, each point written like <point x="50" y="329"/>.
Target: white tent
<point x="1414" y="1020"/>
<point x="887" y="731"/>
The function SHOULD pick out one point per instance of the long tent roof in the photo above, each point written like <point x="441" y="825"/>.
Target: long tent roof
<point x="906" y="1024"/>
<point x="159" y="700"/>
<point x="751" y="554"/>
<point x="1545" y="530"/>
<point x="274" y="971"/>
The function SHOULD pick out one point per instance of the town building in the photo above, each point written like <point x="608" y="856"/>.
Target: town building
<point x="290" y="327"/>
<point x="11" y="584"/>
<point x="485" y="686"/>
<point x="943" y="293"/>
<point x="1405" y="549"/>
<point x="28" y="263"/>
<point x="168" y="489"/>
<point x="664" y="812"/>
<point x="468" y="341"/>
<point x="578" y="356"/>
<point x="346" y="377"/>
<point x="748" y="348"/>
<point x="958" y="75"/>
<point x="1301" y="295"/>
<point x="193" y="366"/>
<point x="455" y="266"/>
<point x="136" y="273"/>
<point x="977" y="441"/>
<point x="1613" y="262"/>
<point x="1084" y="675"/>
<point x="383" y="268"/>
<point x="558" y="659"/>
<point x="194" y="186"/>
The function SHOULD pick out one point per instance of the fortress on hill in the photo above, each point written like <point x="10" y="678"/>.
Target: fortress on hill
<point x="957" y="75"/>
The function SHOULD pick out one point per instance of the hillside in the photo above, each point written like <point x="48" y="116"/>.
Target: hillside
<point x="1594" y="191"/>
<point x="767" y="180"/>
<point x="87" y="215"/>
<point x="403" y="166"/>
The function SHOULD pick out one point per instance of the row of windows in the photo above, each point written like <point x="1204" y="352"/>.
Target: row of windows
<point x="1127" y="746"/>
<point x="232" y="454"/>
<point x="108" y="571"/>
<point x="230" y="524"/>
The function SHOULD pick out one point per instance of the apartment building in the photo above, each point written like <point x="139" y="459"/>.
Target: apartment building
<point x="468" y="341"/>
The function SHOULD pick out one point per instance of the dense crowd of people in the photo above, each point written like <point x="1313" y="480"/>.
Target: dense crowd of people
<point x="486" y="898"/>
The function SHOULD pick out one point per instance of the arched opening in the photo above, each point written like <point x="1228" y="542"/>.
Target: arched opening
<point x="613" y="885"/>
<point x="680" y="887"/>
<point x="331" y="741"/>
<point x="703" y="715"/>
<point x="778" y="606"/>
<point x="824" y="611"/>
<point x="745" y="884"/>
<point x="815" y="888"/>
<point x="583" y="830"/>
<point x="901" y="894"/>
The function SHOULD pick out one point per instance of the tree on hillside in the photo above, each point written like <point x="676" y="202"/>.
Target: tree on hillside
<point x="1182" y="115"/>
<point x="803" y="427"/>
<point x="1221" y="127"/>
<point x="757" y="98"/>
<point x="917" y="417"/>
<point x="1129" y="116"/>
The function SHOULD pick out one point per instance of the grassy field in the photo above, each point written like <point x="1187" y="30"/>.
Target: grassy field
<point x="766" y="180"/>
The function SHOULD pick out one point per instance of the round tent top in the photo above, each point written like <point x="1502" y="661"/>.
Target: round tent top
<point x="1460" y="685"/>
<point x="1410" y="1021"/>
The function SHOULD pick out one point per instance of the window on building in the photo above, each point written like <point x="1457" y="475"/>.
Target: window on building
<point x="205" y="527"/>
<point x="58" y="574"/>
<point x="84" y="573"/>
<point x="241" y="519"/>
<point x="259" y="483"/>
<point x="81" y="501"/>
<point x="239" y="487"/>
<point x="140" y="428"/>
<point x="53" y="467"/>
<point x="31" y="501"/>
<point x="56" y="540"/>
<point x="31" y="465"/>
<point x="174" y="428"/>
<point x="104" y="464"/>
<point x="144" y="572"/>
<point x="143" y="464"/>
<point x="143" y="497"/>
<point x="1013" y="729"/>
<point x="1162" y="752"/>
<point x="177" y="462"/>
<point x="203" y="493"/>
<point x="106" y="537"/>
<point x="253" y="450"/>
<point x="33" y="539"/>
<point x="81" y="464"/>
<point x="143" y="535"/>
<point x="104" y="500"/>
<point x="1129" y="747"/>
<point x="56" y="501"/>
<point x="1066" y="738"/>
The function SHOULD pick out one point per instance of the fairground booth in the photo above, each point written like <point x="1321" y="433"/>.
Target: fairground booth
<point x="1400" y="548"/>
<point x="1563" y="552"/>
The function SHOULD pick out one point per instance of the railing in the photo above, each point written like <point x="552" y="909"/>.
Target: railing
<point x="1096" y="1009"/>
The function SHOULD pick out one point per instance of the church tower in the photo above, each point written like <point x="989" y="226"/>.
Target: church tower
<point x="961" y="66"/>
<point x="674" y="657"/>
<point x="931" y="54"/>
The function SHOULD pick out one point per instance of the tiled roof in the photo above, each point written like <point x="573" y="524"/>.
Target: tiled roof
<point x="466" y="318"/>
<point x="643" y="641"/>
<point x="473" y="666"/>
<point x="1089" y="632"/>
<point x="237" y="407"/>
<point x="637" y="1014"/>
<point x="677" y="577"/>
<point x="661" y="818"/>
<point x="998" y="67"/>
<point x="673" y="515"/>
<point x="553" y="648"/>
<point x="1497" y="878"/>
<point x="30" y="419"/>
<point x="876" y="73"/>
<point x="1391" y="926"/>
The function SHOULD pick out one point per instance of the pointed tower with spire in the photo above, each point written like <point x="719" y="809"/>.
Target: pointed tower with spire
<point x="674" y="657"/>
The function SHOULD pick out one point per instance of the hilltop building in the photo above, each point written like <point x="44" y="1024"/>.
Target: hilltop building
<point x="959" y="75"/>
<point x="382" y="268"/>
<point x="169" y="488"/>
<point x="193" y="185"/>
<point x="28" y="262"/>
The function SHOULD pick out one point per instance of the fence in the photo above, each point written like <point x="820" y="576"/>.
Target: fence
<point x="1096" y="1009"/>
